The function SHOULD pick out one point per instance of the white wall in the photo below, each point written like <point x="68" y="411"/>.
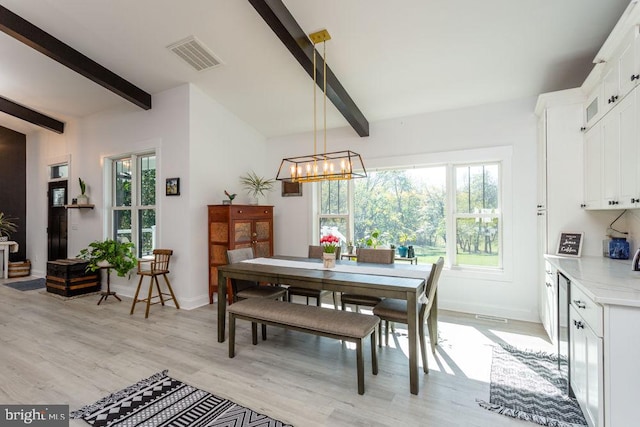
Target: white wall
<point x="195" y="139"/>
<point x="429" y="138"/>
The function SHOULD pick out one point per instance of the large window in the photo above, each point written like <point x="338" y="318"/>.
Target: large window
<point x="133" y="181"/>
<point x="451" y="211"/>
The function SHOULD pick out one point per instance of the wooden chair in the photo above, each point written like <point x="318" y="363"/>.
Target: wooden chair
<point x="377" y="256"/>
<point x="152" y="268"/>
<point x="395" y="310"/>
<point x="243" y="289"/>
<point x="315" y="251"/>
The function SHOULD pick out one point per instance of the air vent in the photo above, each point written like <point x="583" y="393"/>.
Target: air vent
<point x="194" y="53"/>
<point x="491" y="318"/>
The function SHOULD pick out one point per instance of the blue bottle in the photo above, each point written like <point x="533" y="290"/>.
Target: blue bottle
<point x="619" y="248"/>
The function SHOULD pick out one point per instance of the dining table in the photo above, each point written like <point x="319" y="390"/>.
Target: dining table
<point x="400" y="281"/>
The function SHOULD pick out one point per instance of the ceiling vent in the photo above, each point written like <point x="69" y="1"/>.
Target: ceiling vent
<point x="194" y="53"/>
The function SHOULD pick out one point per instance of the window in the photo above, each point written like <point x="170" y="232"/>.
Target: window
<point x="60" y="171"/>
<point x="409" y="207"/>
<point x="133" y="201"/>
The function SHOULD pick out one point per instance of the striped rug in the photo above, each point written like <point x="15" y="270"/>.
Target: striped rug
<point x="164" y="401"/>
<point x="529" y="386"/>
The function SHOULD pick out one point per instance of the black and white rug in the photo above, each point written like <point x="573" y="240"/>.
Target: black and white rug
<point x="529" y="386"/>
<point x="27" y="285"/>
<point x="164" y="401"/>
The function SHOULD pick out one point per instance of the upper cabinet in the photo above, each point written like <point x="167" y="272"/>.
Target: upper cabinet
<point x="629" y="62"/>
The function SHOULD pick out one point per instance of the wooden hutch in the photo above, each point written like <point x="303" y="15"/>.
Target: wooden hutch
<point x="233" y="227"/>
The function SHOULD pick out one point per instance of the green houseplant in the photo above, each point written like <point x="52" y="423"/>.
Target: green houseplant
<point x="7" y="226"/>
<point x="83" y="199"/>
<point x="119" y="256"/>
<point x="256" y="186"/>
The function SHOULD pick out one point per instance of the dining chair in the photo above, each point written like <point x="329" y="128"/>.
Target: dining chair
<point x="364" y="255"/>
<point x="242" y="289"/>
<point x="152" y="268"/>
<point x="315" y="251"/>
<point x="395" y="310"/>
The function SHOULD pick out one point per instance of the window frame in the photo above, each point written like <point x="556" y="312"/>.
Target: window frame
<point x="501" y="155"/>
<point x="136" y="206"/>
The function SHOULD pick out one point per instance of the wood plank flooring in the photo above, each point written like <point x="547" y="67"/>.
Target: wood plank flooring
<point x="55" y="351"/>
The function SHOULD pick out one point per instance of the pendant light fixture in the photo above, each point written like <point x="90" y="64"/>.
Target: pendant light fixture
<point x="336" y="165"/>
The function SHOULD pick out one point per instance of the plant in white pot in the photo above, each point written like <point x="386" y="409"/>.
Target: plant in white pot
<point x="7" y="226"/>
<point x="83" y="199"/>
<point x="256" y="186"/>
<point x="110" y="253"/>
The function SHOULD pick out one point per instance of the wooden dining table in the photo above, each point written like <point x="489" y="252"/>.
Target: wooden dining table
<point x="400" y="281"/>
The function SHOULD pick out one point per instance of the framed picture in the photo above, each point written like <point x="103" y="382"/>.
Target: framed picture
<point x="173" y="187"/>
<point x="570" y="244"/>
<point x="291" y="189"/>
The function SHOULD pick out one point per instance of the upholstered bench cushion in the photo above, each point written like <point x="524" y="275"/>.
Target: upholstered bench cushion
<point x="327" y="320"/>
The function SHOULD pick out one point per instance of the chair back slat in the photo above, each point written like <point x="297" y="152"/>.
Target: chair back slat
<point x="432" y="282"/>
<point x="315" y="251"/>
<point x="378" y="256"/>
<point x="240" y="254"/>
<point x="161" y="259"/>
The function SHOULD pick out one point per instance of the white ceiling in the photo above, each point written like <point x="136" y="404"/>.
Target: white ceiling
<point x="395" y="58"/>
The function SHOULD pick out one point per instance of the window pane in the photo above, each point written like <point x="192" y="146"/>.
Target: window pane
<point x="333" y="199"/>
<point x="147" y="231"/>
<point x="476" y="188"/>
<point x="148" y="180"/>
<point x="59" y="171"/>
<point x="122" y="225"/>
<point x="335" y="226"/>
<point x="122" y="187"/>
<point x="478" y="242"/>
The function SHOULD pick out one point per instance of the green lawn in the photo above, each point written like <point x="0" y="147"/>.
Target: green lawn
<point x="429" y="255"/>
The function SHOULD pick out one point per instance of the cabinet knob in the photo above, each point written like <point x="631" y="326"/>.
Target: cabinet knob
<point x="583" y="128"/>
<point x="579" y="303"/>
<point x="583" y="205"/>
<point x="540" y="214"/>
<point x="578" y="324"/>
<point x="635" y="200"/>
<point x="635" y="77"/>
<point x="239" y="211"/>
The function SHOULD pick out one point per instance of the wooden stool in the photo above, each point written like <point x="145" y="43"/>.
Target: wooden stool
<point x="159" y="266"/>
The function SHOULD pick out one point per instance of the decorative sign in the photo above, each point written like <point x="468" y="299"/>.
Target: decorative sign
<point x="570" y="244"/>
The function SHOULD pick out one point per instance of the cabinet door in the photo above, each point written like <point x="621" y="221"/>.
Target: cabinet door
<point x="262" y="237"/>
<point x="242" y="233"/>
<point x="586" y="366"/>
<point x="628" y="63"/>
<point x="610" y="87"/>
<point x="542" y="162"/>
<point x="610" y="158"/>
<point x="593" y="167"/>
<point x="550" y="305"/>
<point x="593" y="106"/>
<point x="628" y="164"/>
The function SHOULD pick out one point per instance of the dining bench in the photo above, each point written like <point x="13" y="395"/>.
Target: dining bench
<point x="326" y="322"/>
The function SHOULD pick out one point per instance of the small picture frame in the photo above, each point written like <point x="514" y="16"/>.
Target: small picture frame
<point x="173" y="187"/>
<point x="570" y="244"/>
<point x="291" y="189"/>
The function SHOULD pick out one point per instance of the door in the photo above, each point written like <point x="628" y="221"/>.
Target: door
<point x="57" y="221"/>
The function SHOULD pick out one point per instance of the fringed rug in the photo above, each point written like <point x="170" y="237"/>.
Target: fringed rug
<point x="164" y="401"/>
<point x="529" y="386"/>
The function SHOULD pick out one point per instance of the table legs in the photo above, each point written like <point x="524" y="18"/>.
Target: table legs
<point x="412" y="329"/>
<point x="222" y="305"/>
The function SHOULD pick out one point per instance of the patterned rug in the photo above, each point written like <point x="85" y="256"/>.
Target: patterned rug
<point x="164" y="401"/>
<point x="529" y="386"/>
<point x="27" y="285"/>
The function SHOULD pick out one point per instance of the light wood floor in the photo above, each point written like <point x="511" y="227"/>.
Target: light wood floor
<point x="74" y="352"/>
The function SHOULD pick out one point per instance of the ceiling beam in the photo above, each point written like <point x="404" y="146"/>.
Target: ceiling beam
<point x="278" y="17"/>
<point x="31" y="116"/>
<point x="45" y="43"/>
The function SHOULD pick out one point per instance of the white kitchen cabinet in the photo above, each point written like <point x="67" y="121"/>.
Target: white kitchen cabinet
<point x="628" y="58"/>
<point x="542" y="161"/>
<point x="610" y="87"/>
<point x="592" y="167"/>
<point x="586" y="366"/>
<point x="611" y="158"/>
<point x="593" y="107"/>
<point x="549" y="302"/>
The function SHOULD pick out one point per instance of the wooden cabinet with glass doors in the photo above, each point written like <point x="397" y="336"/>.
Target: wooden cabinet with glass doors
<point x="233" y="227"/>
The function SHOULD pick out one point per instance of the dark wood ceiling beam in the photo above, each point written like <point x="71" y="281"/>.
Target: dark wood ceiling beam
<point x="31" y="116"/>
<point x="278" y="17"/>
<point x="45" y="43"/>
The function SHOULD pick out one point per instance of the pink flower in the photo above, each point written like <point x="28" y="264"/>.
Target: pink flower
<point x="329" y="243"/>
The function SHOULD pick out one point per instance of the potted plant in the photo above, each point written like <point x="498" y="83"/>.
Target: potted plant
<point x="256" y="186"/>
<point x="7" y="226"/>
<point x="110" y="253"/>
<point x="83" y="199"/>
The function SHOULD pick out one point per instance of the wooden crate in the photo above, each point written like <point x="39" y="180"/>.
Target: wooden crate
<point x="68" y="277"/>
<point x="19" y="269"/>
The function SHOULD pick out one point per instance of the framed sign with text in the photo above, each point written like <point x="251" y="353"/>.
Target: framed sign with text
<point x="570" y="244"/>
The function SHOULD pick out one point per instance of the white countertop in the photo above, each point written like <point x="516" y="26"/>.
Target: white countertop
<point x="606" y="281"/>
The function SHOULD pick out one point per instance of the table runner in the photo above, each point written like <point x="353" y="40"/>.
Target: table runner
<point x="415" y="272"/>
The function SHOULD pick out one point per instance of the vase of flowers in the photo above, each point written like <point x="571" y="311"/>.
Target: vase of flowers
<point x="329" y="244"/>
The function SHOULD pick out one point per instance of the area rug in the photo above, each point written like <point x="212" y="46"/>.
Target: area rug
<point x="27" y="285"/>
<point x="529" y="386"/>
<point x="164" y="401"/>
